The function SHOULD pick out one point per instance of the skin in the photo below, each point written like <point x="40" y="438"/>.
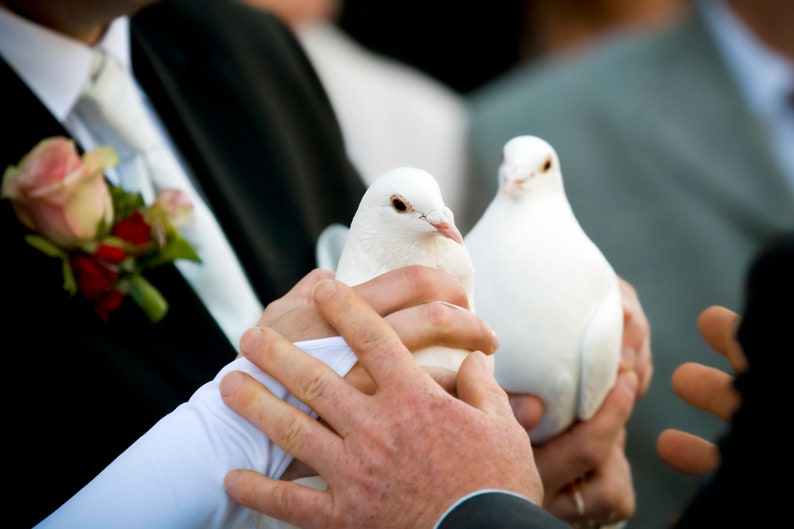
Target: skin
<point x="708" y="389"/>
<point x="379" y="440"/>
<point x="770" y="20"/>
<point x="83" y="20"/>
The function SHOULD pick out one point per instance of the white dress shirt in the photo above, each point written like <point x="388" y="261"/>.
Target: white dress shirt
<point x="172" y="477"/>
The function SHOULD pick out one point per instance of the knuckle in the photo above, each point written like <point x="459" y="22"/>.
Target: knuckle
<point x="291" y="435"/>
<point x="314" y="387"/>
<point x="591" y="455"/>
<point x="284" y="502"/>
<point x="440" y="317"/>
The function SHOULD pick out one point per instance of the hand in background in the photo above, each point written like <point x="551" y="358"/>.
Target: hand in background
<point x="593" y="451"/>
<point x="708" y="389"/>
<point x="399" y="457"/>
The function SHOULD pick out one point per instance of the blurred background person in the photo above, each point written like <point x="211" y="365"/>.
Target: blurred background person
<point x="676" y="152"/>
<point x="470" y="45"/>
<point x="391" y="113"/>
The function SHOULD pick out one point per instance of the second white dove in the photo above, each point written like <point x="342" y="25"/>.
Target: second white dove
<point x="547" y="290"/>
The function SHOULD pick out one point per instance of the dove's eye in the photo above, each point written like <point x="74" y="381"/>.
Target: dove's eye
<point x="399" y="204"/>
<point x="547" y="165"/>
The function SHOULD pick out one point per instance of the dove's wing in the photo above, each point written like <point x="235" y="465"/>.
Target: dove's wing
<point x="329" y="246"/>
<point x="600" y="353"/>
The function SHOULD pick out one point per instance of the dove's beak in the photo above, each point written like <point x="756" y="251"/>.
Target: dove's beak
<point x="445" y="224"/>
<point x="512" y="185"/>
<point x="448" y="229"/>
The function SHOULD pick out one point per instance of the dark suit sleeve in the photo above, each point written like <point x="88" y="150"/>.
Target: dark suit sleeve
<point x="499" y="510"/>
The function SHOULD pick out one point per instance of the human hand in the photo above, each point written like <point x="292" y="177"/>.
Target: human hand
<point x="636" y="345"/>
<point x="418" y="302"/>
<point x="591" y="454"/>
<point x="399" y="457"/>
<point x="707" y="388"/>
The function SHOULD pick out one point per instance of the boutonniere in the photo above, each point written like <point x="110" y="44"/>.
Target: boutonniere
<point x="105" y="237"/>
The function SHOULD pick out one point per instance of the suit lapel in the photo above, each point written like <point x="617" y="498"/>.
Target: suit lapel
<point x="278" y="174"/>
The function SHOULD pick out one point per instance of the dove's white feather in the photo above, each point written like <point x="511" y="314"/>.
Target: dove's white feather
<point x="402" y="220"/>
<point x="546" y="289"/>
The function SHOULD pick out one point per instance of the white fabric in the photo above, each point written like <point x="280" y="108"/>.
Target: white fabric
<point x="172" y="477"/>
<point x="112" y="109"/>
<point x="391" y="115"/>
<point x="765" y="78"/>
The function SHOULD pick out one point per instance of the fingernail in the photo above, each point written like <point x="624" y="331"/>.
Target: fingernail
<point x="494" y="341"/>
<point x="250" y="340"/>
<point x="324" y="289"/>
<point x="231" y="382"/>
<point x="448" y="304"/>
<point x="230" y="480"/>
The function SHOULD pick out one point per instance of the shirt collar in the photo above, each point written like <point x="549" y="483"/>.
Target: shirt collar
<point x="764" y="76"/>
<point x="54" y="66"/>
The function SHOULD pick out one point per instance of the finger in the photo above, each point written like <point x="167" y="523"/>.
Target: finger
<point x="478" y="387"/>
<point x="687" y="453"/>
<point x="309" y="380"/>
<point x="300" y="294"/>
<point x="605" y="495"/>
<point x="375" y="343"/>
<point x="718" y="326"/>
<point x="295" y="432"/>
<point x="411" y="286"/>
<point x="288" y="501"/>
<point x="585" y="445"/>
<point x="442" y="323"/>
<point x="527" y="409"/>
<point x="706" y="388"/>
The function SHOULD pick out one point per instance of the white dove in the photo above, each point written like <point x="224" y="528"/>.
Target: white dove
<point x="402" y="220"/>
<point x="547" y="291"/>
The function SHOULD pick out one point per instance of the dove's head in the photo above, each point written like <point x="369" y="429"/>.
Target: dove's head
<point x="528" y="162"/>
<point x="406" y="201"/>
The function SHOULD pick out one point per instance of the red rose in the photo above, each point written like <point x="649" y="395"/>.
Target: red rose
<point x="133" y="229"/>
<point x="109" y="254"/>
<point x="93" y="278"/>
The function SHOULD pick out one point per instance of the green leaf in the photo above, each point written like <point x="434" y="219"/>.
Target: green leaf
<point x="69" y="284"/>
<point x="147" y="297"/>
<point x="125" y="203"/>
<point x="175" y="248"/>
<point x="44" y="245"/>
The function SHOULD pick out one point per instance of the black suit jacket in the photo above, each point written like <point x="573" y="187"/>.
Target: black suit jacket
<point x="496" y="510"/>
<point x="252" y="121"/>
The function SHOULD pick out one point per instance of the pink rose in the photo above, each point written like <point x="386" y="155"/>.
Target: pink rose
<point x="178" y="206"/>
<point x="59" y="194"/>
